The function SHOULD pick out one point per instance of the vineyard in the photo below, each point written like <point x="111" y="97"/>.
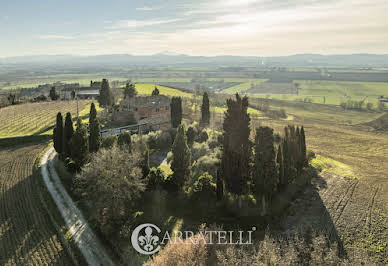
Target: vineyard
<point x="26" y="232"/>
<point x="36" y="118"/>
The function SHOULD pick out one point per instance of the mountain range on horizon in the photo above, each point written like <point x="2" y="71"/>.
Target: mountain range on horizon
<point x="168" y="58"/>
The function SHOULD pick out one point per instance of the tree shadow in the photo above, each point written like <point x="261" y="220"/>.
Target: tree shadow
<point x="307" y="216"/>
<point x="25" y="141"/>
<point x="28" y="233"/>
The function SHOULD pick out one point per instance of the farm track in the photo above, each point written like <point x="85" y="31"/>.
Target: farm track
<point x="80" y="231"/>
<point x="26" y="233"/>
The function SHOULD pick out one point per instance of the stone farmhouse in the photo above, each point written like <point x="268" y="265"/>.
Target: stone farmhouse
<point x="153" y="110"/>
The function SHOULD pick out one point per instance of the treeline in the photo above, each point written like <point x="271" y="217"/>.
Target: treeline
<point x="72" y="146"/>
<point x="360" y="105"/>
<point x="264" y="167"/>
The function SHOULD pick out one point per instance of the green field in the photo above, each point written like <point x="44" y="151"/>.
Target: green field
<point x="341" y="88"/>
<point x="148" y="88"/>
<point x="246" y="85"/>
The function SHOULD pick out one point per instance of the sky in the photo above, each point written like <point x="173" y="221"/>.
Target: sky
<point x="208" y="28"/>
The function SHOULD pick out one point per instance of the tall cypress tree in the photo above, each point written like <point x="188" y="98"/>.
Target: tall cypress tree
<point x="106" y="96"/>
<point x="181" y="158"/>
<point x="265" y="178"/>
<point x="236" y="148"/>
<point x="79" y="145"/>
<point x="219" y="185"/>
<point x="205" y="109"/>
<point x="94" y="128"/>
<point x="59" y="134"/>
<point x="55" y="138"/>
<point x="303" y="147"/>
<point x="68" y="134"/>
<point x="286" y="162"/>
<point x="176" y="111"/>
<point x="279" y="161"/>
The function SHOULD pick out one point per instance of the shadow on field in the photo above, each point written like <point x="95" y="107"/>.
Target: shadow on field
<point x="27" y="233"/>
<point x="15" y="142"/>
<point x="308" y="217"/>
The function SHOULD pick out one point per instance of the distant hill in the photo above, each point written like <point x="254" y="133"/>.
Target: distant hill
<point x="170" y="58"/>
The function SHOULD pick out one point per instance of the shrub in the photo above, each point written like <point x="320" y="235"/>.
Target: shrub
<point x="204" y="187"/>
<point x="191" y="134"/>
<point x="154" y="179"/>
<point x="207" y="163"/>
<point x="199" y="150"/>
<point x="158" y="140"/>
<point x="172" y="132"/>
<point x="124" y="139"/>
<point x="213" y="140"/>
<point x="164" y="141"/>
<point x="203" y="136"/>
<point x="310" y="155"/>
<point x="108" y="142"/>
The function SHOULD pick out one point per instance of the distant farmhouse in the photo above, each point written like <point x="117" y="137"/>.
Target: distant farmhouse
<point x="153" y="110"/>
<point x="91" y="92"/>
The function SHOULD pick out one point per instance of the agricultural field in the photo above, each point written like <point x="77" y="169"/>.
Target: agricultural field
<point x="246" y="85"/>
<point x="331" y="92"/>
<point x="37" y="118"/>
<point x="27" y="235"/>
<point x="349" y="198"/>
<point x="341" y="88"/>
<point x="148" y="88"/>
<point x="82" y="79"/>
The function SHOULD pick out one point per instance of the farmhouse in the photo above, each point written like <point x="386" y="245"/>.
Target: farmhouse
<point x="153" y="110"/>
<point x="82" y="93"/>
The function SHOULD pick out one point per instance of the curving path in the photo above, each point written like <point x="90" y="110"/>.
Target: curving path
<point x="83" y="236"/>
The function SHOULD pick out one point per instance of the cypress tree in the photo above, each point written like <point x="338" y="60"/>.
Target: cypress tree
<point x="68" y="134"/>
<point x="79" y="145"/>
<point x="59" y="134"/>
<point x="205" y="109"/>
<point x="55" y="138"/>
<point x="219" y="186"/>
<point x="286" y="162"/>
<point x="145" y="164"/>
<point x="181" y="158"/>
<point x="279" y="161"/>
<point x="176" y="111"/>
<point x="94" y="128"/>
<point x="265" y="178"/>
<point x="106" y="97"/>
<point x="303" y="147"/>
<point x="236" y="153"/>
<point x="130" y="90"/>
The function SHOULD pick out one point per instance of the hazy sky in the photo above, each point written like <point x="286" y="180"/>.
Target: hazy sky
<point x="217" y="27"/>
